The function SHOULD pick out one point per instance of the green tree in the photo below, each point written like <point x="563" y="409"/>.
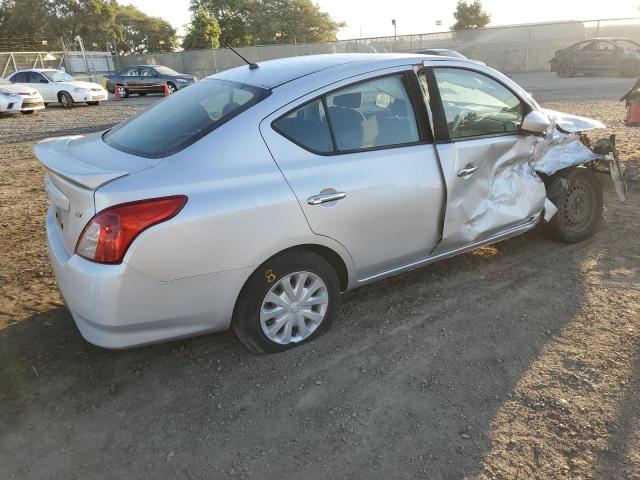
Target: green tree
<point x="137" y="33"/>
<point x="203" y="32"/>
<point x="249" y="22"/>
<point x="233" y="18"/>
<point x="292" y="21"/>
<point x="470" y="15"/>
<point x="99" y="22"/>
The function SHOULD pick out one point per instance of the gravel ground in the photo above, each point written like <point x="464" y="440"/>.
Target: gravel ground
<point x="518" y="360"/>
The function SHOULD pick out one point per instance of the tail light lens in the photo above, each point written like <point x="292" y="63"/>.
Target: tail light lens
<point x="108" y="235"/>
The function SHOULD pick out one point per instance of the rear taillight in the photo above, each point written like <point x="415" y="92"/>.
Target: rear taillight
<point x="108" y="235"/>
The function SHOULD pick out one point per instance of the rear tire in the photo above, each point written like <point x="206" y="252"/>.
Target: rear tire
<point x="122" y="91"/>
<point x="65" y="99"/>
<point x="566" y="69"/>
<point x="305" y="315"/>
<point x="579" y="208"/>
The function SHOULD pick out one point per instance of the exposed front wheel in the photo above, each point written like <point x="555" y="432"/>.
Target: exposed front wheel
<point x="289" y="300"/>
<point x="579" y="208"/>
<point x="172" y="88"/>
<point x="66" y="100"/>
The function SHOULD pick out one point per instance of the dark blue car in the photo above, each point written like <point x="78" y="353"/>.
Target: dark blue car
<point x="143" y="79"/>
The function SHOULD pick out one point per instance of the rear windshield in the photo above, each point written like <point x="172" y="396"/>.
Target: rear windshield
<point x="165" y="70"/>
<point x="183" y="118"/>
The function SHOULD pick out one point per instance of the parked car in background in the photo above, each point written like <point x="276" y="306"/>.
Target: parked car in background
<point x="57" y="86"/>
<point x="18" y="98"/>
<point x="619" y="56"/>
<point x="143" y="79"/>
<point x="442" y="52"/>
<point x="254" y="197"/>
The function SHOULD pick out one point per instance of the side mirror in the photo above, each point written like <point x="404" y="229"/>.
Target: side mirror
<point x="536" y="122"/>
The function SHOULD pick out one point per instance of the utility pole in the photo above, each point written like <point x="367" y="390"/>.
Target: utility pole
<point x="395" y="28"/>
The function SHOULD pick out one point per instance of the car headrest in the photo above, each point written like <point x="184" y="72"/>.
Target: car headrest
<point x="349" y="100"/>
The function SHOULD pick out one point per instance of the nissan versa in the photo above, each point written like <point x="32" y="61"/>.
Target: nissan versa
<point x="253" y="198"/>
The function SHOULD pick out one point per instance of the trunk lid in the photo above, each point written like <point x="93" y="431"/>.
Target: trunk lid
<point x="75" y="168"/>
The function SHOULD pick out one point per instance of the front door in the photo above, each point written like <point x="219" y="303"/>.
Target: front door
<point x="364" y="170"/>
<point x="491" y="186"/>
<point x="47" y="89"/>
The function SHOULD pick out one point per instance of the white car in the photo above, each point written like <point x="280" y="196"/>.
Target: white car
<point x="57" y="86"/>
<point x="18" y="98"/>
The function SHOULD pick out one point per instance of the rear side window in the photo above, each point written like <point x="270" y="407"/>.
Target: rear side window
<point x="372" y="114"/>
<point x="183" y="118"/>
<point x="308" y="127"/>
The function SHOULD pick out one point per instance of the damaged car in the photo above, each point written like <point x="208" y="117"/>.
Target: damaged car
<point x="252" y="199"/>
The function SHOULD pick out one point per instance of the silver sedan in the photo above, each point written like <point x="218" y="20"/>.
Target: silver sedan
<point x="253" y="198"/>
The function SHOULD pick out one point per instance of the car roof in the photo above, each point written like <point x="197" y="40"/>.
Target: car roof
<point x="38" y="70"/>
<point x="273" y="73"/>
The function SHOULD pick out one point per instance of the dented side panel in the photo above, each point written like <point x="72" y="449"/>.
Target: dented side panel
<point x="504" y="191"/>
<point x="506" y="188"/>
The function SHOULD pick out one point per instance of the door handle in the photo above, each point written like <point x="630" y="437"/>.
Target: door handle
<point x="325" y="197"/>
<point x="468" y="170"/>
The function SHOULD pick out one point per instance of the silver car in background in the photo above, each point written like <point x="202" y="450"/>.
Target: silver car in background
<point x="254" y="197"/>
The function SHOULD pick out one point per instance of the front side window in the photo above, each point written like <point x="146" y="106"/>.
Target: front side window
<point x="147" y="72"/>
<point x="183" y="118"/>
<point x="35" y="77"/>
<point x="308" y="127"/>
<point x="372" y="114"/>
<point x="475" y="104"/>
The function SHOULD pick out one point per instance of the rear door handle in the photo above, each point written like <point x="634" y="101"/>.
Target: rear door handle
<point x="326" y="197"/>
<point x="468" y="170"/>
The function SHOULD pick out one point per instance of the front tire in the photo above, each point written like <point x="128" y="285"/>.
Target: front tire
<point x="579" y="208"/>
<point x="65" y="99"/>
<point x="289" y="300"/>
<point x="172" y="88"/>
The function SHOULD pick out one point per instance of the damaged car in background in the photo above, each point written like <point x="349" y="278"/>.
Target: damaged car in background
<point x="253" y="198"/>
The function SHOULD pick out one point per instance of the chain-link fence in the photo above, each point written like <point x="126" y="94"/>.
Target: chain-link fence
<point x="519" y="48"/>
<point x="84" y="65"/>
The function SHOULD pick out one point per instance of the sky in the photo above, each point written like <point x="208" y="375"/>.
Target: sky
<point x="367" y="18"/>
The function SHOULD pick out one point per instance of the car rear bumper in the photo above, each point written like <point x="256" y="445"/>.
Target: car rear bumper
<point x="116" y="306"/>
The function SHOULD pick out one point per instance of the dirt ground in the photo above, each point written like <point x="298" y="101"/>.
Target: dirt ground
<point x="519" y="360"/>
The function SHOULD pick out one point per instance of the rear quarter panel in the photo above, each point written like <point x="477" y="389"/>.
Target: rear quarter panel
<point x="240" y="210"/>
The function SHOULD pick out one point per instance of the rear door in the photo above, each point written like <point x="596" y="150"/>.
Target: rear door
<point x="584" y="57"/>
<point x="130" y="77"/>
<point x="361" y="161"/>
<point x="484" y="155"/>
<point x="148" y="78"/>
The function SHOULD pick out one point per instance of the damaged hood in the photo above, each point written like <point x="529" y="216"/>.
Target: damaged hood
<point x="571" y="123"/>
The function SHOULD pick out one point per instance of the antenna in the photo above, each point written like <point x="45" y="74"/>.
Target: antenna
<point x="252" y="66"/>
